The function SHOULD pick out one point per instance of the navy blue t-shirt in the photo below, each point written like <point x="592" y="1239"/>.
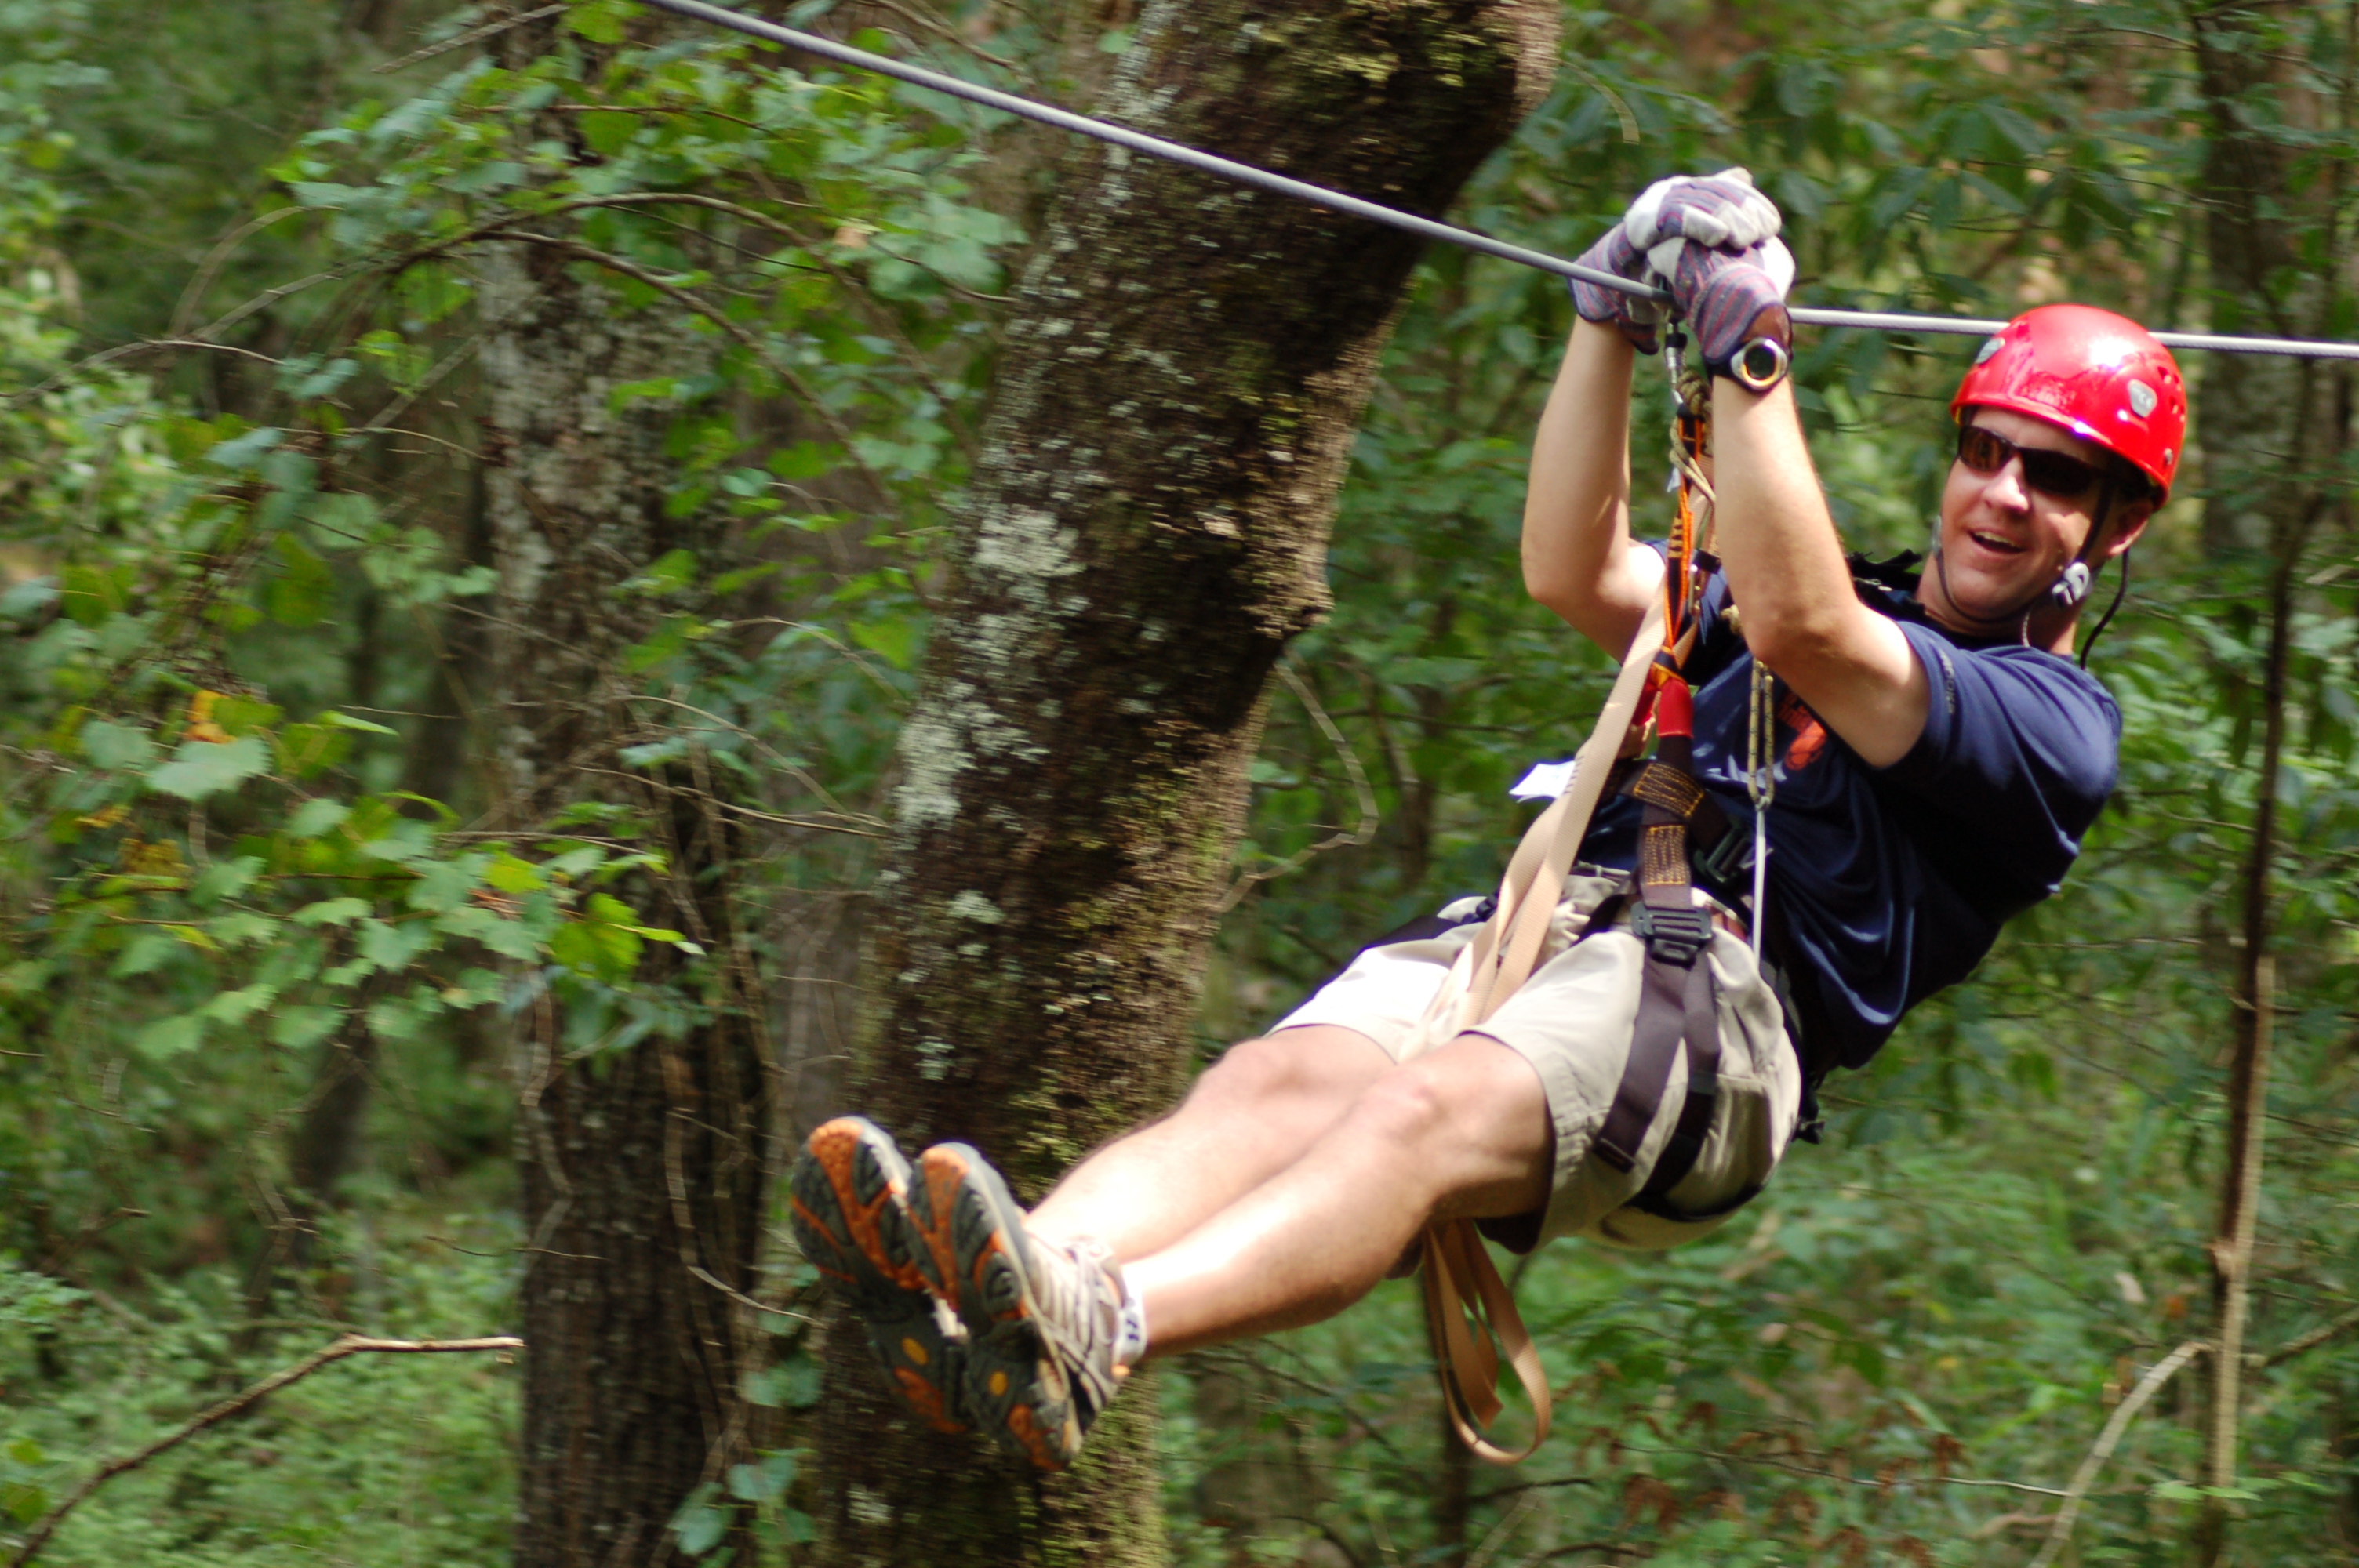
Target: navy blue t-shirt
<point x="1887" y="884"/>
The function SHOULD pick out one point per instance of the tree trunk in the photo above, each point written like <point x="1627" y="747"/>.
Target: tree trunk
<point x="645" y="1165"/>
<point x="2273" y="435"/>
<point x="1185" y="368"/>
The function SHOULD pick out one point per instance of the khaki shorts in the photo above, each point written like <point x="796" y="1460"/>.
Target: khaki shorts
<point x="1572" y="1021"/>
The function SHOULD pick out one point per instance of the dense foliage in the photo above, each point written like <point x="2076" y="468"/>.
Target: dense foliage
<point x="251" y="848"/>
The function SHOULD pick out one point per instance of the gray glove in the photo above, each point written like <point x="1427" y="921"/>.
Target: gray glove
<point x="1729" y="300"/>
<point x="1634" y="317"/>
<point x="1718" y="210"/>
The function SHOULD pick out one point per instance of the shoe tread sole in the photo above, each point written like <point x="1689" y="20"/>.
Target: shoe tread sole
<point x="972" y="1233"/>
<point x="847" y="1202"/>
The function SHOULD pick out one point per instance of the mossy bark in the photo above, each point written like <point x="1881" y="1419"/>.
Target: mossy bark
<point x="1185" y="368"/>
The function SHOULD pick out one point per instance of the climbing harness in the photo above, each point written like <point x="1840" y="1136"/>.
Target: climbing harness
<point x="1682" y="829"/>
<point x="1303" y="190"/>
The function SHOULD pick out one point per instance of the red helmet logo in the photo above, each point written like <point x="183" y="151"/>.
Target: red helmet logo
<point x="2099" y="376"/>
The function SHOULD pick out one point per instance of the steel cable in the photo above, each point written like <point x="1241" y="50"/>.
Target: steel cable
<point x="1301" y="191"/>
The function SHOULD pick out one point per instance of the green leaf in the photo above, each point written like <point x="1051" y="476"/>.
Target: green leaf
<point x="669" y="640"/>
<point x="245" y="453"/>
<point x="335" y="720"/>
<point x="444" y="886"/>
<point x="606" y="131"/>
<point x="509" y="873"/>
<point x="600" y="22"/>
<point x="116" y="746"/>
<point x="758" y="1483"/>
<point x="306" y="749"/>
<point x="314" y="817"/>
<point x="391" y="946"/>
<point x="333" y="912"/>
<point x="296" y="1028"/>
<point x="894" y="639"/>
<point x="699" y="1526"/>
<point x="200" y="768"/>
<point x="667" y="573"/>
<point x="170" y="1037"/>
<point x="145" y="952"/>
<point x="508" y="938"/>
<point x="603" y="943"/>
<point x="303" y="590"/>
<point x="233" y="1008"/>
<point x="226" y="879"/>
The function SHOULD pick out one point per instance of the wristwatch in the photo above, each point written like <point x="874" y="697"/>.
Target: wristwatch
<point x="1760" y="364"/>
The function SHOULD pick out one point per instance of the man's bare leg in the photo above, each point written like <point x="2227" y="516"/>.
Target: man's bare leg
<point x="1250" y="1115"/>
<point x="1463" y="1131"/>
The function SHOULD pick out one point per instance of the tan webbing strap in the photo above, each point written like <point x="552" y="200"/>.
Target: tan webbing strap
<point x="1461" y="1283"/>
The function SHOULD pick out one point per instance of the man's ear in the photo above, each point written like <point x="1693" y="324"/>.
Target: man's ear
<point x="2124" y="530"/>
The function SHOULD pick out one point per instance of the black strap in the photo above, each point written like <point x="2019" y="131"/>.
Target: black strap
<point x="1655" y="1036"/>
<point x="1702" y="1022"/>
<point x="1677" y="1010"/>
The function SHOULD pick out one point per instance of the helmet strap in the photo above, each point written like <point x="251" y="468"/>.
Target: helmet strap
<point x="2121" y="587"/>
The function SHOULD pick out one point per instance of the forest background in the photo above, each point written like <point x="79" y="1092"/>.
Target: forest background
<point x="307" y="929"/>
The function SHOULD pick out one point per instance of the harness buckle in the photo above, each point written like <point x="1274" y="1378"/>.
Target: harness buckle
<point x="1674" y="936"/>
<point x="1727" y="860"/>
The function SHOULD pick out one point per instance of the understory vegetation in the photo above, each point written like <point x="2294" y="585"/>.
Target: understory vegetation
<point x="269" y="913"/>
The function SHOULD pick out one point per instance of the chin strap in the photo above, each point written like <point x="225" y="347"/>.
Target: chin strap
<point x="2120" y="588"/>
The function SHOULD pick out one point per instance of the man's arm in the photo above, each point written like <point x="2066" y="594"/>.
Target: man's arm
<point x="1793" y="590"/>
<point x="1579" y="558"/>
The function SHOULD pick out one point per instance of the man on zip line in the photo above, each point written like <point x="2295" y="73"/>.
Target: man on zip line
<point x="1938" y="756"/>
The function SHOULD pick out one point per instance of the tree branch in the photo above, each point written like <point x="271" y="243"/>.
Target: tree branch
<point x="2304" y="1344"/>
<point x="2157" y="1376"/>
<point x="238" y="1404"/>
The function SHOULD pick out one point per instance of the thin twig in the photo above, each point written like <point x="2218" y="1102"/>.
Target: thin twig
<point x="2158" y="1374"/>
<point x="942" y="29"/>
<point x="237" y="1404"/>
<point x="1369" y="815"/>
<point x="1876" y="1481"/>
<point x="460" y="40"/>
<point x="124" y="351"/>
<point x="2304" y="1344"/>
<point x="754" y="345"/>
<point x="215" y="259"/>
<point x="742" y="1299"/>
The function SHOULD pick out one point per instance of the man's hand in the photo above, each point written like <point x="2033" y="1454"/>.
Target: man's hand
<point x="1633" y="318"/>
<point x="1728" y="300"/>
<point x="1722" y="210"/>
<point x="1686" y="212"/>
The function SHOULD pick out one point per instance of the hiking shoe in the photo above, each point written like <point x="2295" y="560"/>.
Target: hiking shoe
<point x="1043" y="1322"/>
<point x="849" y="1194"/>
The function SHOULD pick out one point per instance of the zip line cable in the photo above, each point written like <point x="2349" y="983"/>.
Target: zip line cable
<point x="1262" y="178"/>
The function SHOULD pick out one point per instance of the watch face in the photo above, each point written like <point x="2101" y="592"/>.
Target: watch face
<point x="1761" y="363"/>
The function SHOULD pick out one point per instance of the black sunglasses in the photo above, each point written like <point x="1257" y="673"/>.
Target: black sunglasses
<point x="2052" y="473"/>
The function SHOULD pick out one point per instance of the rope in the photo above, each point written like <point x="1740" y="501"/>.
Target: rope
<point x="1301" y="191"/>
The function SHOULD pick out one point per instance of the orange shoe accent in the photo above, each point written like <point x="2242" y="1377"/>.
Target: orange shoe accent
<point x="836" y="1145"/>
<point x="941" y="1176"/>
<point x="1035" y="1442"/>
<point x="927" y="1400"/>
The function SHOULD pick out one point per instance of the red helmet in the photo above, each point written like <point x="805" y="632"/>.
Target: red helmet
<point x="2099" y="376"/>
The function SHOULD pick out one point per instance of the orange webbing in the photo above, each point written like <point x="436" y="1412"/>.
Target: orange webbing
<point x="1461" y="1283"/>
<point x="1467" y="1305"/>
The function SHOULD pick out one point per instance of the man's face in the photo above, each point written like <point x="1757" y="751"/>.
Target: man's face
<point x="2004" y="538"/>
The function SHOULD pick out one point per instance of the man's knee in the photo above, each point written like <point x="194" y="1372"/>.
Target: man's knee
<point x="1315" y="1068"/>
<point x="1471" y="1117"/>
